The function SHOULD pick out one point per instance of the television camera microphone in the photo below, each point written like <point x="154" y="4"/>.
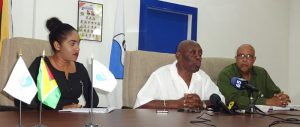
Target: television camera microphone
<point x="216" y="101"/>
<point x="240" y="83"/>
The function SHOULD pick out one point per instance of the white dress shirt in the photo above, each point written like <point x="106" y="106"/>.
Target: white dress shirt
<point x="166" y="84"/>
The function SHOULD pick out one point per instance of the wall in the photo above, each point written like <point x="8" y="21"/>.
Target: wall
<point x="294" y="52"/>
<point x="222" y="27"/>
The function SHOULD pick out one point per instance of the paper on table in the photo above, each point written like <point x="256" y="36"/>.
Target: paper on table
<point x="263" y="108"/>
<point x="87" y="110"/>
<point x="266" y="108"/>
<point x="288" y="107"/>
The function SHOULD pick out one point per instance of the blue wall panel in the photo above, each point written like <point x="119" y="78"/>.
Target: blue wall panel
<point x="163" y="25"/>
<point x="165" y="31"/>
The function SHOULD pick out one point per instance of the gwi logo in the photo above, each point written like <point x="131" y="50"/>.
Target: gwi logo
<point x="238" y="84"/>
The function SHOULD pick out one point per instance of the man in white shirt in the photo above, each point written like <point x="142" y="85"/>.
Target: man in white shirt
<point x="178" y="85"/>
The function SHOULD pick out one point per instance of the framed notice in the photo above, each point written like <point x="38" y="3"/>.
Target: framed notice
<point x="90" y="17"/>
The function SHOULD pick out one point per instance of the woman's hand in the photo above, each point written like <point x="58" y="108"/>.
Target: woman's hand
<point x="72" y="106"/>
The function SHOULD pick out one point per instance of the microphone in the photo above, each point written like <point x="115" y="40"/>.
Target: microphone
<point x="216" y="101"/>
<point x="240" y="83"/>
<point x="230" y="105"/>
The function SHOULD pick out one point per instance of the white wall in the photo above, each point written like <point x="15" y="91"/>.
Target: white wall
<point x="294" y="52"/>
<point x="222" y="27"/>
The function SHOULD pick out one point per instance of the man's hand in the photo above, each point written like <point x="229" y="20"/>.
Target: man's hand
<point x="279" y="99"/>
<point x="192" y="101"/>
<point x="283" y="97"/>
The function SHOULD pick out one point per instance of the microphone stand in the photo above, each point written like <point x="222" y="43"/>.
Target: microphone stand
<point x="20" y="102"/>
<point x="20" y="114"/>
<point x="40" y="118"/>
<point x="41" y="106"/>
<point x="90" y="124"/>
<point x="252" y="108"/>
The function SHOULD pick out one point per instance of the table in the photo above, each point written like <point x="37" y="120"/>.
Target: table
<point x="139" y="118"/>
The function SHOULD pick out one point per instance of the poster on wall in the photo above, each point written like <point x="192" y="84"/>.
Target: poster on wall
<point x="90" y="17"/>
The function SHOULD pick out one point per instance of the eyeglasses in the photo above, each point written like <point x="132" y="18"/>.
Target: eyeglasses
<point x="247" y="56"/>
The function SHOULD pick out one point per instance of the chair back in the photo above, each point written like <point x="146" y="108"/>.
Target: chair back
<point x="30" y="48"/>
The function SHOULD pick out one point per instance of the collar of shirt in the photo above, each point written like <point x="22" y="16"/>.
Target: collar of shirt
<point x="177" y="79"/>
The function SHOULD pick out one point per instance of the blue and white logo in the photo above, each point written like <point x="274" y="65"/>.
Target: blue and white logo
<point x="100" y="77"/>
<point x="27" y="81"/>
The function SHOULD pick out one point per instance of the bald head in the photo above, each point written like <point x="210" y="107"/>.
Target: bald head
<point x="245" y="58"/>
<point x="245" y="47"/>
<point x="183" y="45"/>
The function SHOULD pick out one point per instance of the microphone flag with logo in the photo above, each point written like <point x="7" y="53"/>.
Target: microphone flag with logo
<point x="20" y="84"/>
<point x="102" y="78"/>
